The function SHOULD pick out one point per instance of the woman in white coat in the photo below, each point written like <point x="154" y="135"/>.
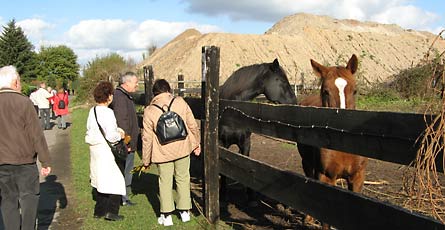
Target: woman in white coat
<point x="106" y="179"/>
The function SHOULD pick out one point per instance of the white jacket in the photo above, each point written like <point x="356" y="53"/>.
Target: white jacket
<point x="41" y="98"/>
<point x="104" y="173"/>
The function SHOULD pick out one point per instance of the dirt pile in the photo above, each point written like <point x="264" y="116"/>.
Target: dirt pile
<point x="383" y="50"/>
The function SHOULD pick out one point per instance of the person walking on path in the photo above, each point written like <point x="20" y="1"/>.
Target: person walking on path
<point x="32" y="97"/>
<point x="42" y="98"/>
<point x="106" y="179"/>
<point x="172" y="159"/>
<point x="125" y="112"/>
<point x="21" y="144"/>
<point x="60" y="107"/>
<point x="53" y="93"/>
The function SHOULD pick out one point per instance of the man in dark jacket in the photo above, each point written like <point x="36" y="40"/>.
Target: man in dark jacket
<point x="125" y="112"/>
<point x="21" y="142"/>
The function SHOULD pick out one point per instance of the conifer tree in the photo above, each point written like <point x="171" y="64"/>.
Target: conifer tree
<point x="17" y="50"/>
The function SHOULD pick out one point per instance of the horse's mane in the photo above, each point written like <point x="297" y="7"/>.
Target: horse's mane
<point x="240" y="79"/>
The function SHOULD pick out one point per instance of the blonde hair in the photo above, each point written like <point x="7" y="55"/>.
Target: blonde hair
<point x="7" y="75"/>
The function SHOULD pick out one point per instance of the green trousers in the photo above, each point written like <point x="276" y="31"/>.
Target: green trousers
<point x="180" y="170"/>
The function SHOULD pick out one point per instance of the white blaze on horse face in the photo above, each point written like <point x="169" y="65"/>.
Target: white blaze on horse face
<point x="341" y="85"/>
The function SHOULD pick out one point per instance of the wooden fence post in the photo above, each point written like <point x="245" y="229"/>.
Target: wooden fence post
<point x="210" y="71"/>
<point x="148" y="82"/>
<point x="181" y="88"/>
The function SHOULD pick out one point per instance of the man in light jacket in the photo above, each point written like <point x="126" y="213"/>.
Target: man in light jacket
<point x="42" y="97"/>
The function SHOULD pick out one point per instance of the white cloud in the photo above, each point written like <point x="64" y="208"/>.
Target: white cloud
<point x="35" y="28"/>
<point x="153" y="32"/>
<point x="407" y="17"/>
<point x="383" y="11"/>
<point x="93" y="38"/>
<point x="95" y="34"/>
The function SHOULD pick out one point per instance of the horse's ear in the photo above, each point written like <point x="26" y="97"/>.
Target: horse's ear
<point x="352" y="64"/>
<point x="318" y="68"/>
<point x="275" y="65"/>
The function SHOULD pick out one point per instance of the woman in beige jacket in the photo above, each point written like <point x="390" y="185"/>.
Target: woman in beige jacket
<point x="172" y="159"/>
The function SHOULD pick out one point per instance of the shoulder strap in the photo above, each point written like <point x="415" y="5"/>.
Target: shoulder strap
<point x="100" y="127"/>
<point x="170" y="105"/>
<point x="159" y="107"/>
<point x="171" y="102"/>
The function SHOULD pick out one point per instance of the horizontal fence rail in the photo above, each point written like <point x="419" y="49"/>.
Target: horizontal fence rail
<point x="386" y="136"/>
<point x="380" y="135"/>
<point x="336" y="206"/>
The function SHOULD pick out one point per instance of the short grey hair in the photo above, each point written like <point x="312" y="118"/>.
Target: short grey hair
<point x="7" y="75"/>
<point x="127" y="77"/>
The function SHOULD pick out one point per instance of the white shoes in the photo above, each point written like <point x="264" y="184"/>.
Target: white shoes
<point x="165" y="220"/>
<point x="185" y="216"/>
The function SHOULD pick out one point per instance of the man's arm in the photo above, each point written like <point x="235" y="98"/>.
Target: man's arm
<point x="38" y="139"/>
<point x="121" y="113"/>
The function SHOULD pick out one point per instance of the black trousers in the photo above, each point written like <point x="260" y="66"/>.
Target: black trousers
<point x="20" y="192"/>
<point x="106" y="203"/>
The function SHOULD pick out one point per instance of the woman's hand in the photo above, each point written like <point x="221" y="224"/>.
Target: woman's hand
<point x="197" y="151"/>
<point x="122" y="132"/>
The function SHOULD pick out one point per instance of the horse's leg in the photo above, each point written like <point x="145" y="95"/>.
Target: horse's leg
<point x="244" y="147"/>
<point x="224" y="142"/>
<point x="357" y="177"/>
<point x="307" y="154"/>
<point x="331" y="181"/>
<point x="308" y="161"/>
<point x="223" y="181"/>
<point x="356" y="181"/>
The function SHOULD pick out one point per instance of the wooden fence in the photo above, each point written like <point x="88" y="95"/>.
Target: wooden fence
<point x="380" y="135"/>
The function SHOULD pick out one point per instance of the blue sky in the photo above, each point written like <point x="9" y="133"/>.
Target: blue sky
<point x="94" y="28"/>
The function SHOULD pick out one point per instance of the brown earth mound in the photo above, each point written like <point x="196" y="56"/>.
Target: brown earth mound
<point x="383" y="50"/>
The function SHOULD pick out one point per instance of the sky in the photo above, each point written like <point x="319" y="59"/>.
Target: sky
<point x="128" y="27"/>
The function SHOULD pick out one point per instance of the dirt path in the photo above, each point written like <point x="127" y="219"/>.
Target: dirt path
<point x="56" y="206"/>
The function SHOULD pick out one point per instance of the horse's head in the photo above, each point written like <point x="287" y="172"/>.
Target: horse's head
<point x="338" y="87"/>
<point x="276" y="86"/>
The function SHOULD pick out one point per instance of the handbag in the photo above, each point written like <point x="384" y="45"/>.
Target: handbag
<point x="119" y="149"/>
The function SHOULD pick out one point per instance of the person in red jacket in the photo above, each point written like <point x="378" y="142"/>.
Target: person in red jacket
<point x="60" y="108"/>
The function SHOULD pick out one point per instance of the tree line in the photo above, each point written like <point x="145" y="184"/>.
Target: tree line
<point x="57" y="65"/>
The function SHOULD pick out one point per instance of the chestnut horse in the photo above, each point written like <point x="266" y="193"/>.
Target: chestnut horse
<point x="338" y="89"/>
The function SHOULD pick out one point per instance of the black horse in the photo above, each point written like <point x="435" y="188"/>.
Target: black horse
<point x="245" y="84"/>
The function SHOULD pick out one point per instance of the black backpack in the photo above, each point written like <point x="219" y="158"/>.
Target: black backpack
<point x="61" y="104"/>
<point x="170" y="126"/>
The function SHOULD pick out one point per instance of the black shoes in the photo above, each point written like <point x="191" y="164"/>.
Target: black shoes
<point x="128" y="203"/>
<point x="113" y="217"/>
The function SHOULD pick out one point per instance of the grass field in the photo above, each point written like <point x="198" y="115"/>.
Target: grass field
<point x="144" y="214"/>
<point x="141" y="216"/>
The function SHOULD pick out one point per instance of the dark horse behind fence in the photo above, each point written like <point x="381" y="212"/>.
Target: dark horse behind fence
<point x="245" y="84"/>
<point x="338" y="89"/>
